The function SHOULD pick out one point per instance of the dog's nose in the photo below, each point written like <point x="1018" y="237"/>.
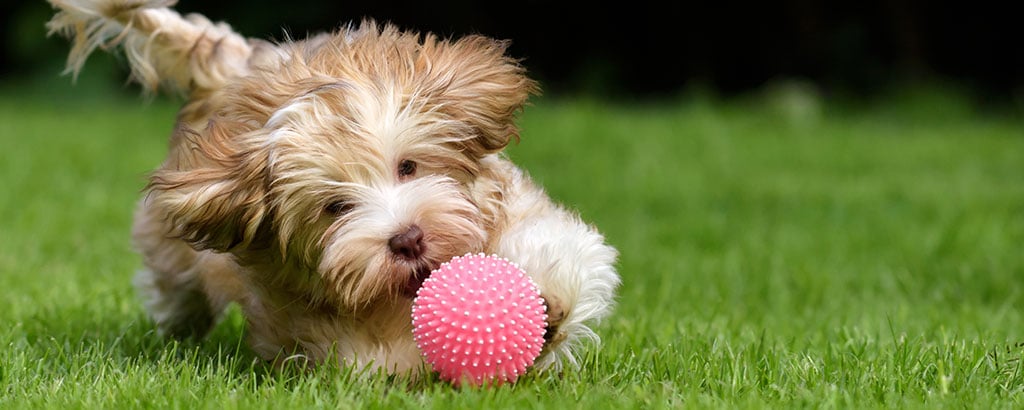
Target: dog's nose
<point x="409" y="244"/>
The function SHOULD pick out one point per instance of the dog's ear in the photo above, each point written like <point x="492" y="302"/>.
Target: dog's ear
<point x="212" y="188"/>
<point x="477" y="83"/>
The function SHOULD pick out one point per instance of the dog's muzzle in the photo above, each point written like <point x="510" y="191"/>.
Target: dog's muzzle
<point x="416" y="281"/>
<point x="408" y="245"/>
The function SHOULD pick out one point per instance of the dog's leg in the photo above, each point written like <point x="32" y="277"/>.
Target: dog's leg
<point x="184" y="290"/>
<point x="570" y="262"/>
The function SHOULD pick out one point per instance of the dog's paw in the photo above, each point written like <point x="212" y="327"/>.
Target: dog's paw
<point x="180" y="310"/>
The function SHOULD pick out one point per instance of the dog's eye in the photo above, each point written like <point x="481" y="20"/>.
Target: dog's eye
<point x="338" y="208"/>
<point x="406" y="168"/>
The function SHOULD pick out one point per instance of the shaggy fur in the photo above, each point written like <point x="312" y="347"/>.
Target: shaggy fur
<point x="316" y="183"/>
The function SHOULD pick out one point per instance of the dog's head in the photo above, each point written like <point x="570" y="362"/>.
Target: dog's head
<point x="360" y="158"/>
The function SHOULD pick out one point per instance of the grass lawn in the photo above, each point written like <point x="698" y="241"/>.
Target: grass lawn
<point x="772" y="256"/>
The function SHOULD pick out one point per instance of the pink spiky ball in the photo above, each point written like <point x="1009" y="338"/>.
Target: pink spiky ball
<point x="479" y="320"/>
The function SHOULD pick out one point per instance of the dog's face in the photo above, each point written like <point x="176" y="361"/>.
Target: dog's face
<point x="355" y="162"/>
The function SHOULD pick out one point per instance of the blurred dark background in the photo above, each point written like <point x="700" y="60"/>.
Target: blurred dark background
<point x="644" y="50"/>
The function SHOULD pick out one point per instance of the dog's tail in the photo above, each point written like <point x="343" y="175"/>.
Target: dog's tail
<point x="163" y="48"/>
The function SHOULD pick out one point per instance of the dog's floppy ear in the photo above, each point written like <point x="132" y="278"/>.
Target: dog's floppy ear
<point x="476" y="83"/>
<point x="213" y="187"/>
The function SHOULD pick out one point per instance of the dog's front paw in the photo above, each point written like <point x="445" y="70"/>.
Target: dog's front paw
<point x="556" y="313"/>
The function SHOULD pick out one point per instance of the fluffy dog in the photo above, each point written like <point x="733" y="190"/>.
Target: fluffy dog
<point x="317" y="183"/>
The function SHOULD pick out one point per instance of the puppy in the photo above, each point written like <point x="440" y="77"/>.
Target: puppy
<point x="317" y="183"/>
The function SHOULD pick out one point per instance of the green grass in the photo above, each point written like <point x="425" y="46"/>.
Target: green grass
<point x="772" y="255"/>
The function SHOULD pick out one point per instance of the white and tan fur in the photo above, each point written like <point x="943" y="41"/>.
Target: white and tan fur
<point x="316" y="182"/>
